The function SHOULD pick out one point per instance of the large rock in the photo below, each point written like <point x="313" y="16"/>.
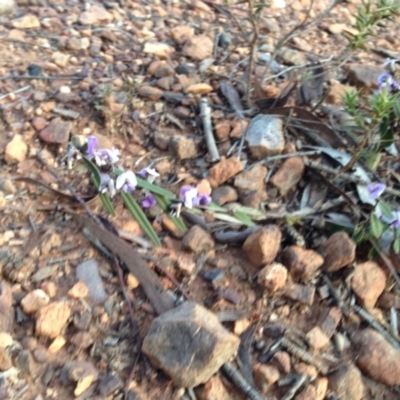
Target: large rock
<point x="189" y="344"/>
<point x="262" y="246"/>
<point x="346" y="382"/>
<point x="52" y="319"/>
<point x="338" y="251"/>
<point x="376" y="357"/>
<point x="368" y="282"/>
<point x="265" y="136"/>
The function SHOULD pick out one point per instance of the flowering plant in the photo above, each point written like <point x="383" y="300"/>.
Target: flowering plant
<point x="383" y="220"/>
<point x="110" y="179"/>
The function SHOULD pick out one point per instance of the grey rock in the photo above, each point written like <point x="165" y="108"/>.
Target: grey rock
<point x="265" y="136"/>
<point x="109" y="384"/>
<point x="347" y="382"/>
<point x="363" y="76"/>
<point x="6" y="307"/>
<point x="189" y="344"/>
<point x="88" y="272"/>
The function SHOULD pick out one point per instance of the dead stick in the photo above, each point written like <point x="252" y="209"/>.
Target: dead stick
<point x="207" y="128"/>
<point x="236" y="377"/>
<point x="149" y="281"/>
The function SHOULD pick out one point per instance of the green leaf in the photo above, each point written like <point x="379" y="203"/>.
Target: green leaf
<point x="165" y="205"/>
<point x="373" y="160"/>
<point x="105" y="199"/>
<point x="373" y="253"/>
<point x="396" y="246"/>
<point x="227" y="218"/>
<point x="96" y="175"/>
<point x="376" y="226"/>
<point x="385" y="208"/>
<point x="359" y="233"/>
<point x="246" y="220"/>
<point x="155" y="189"/>
<point x="141" y="218"/>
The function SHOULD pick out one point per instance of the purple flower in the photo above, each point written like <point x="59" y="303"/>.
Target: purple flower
<point x="92" y="144"/>
<point x="126" y="182"/>
<point x="201" y="200"/>
<point x="111" y="156"/>
<point x="149" y="201"/>
<point x="187" y="195"/>
<point x="375" y="190"/>
<point x="386" y="80"/>
<point x="396" y="219"/>
<point x="191" y="198"/>
<point x="107" y="184"/>
<point x="149" y="173"/>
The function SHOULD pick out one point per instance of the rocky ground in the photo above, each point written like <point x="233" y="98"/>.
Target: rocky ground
<point x="306" y="312"/>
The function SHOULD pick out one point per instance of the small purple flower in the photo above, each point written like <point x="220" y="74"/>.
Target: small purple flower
<point x="92" y="144"/>
<point x="107" y="185"/>
<point x="201" y="200"/>
<point x="149" y="173"/>
<point x="396" y="219"/>
<point x="149" y="201"/>
<point x="111" y="156"/>
<point x="375" y="190"/>
<point x="187" y="195"/>
<point x="386" y="80"/>
<point x="126" y="182"/>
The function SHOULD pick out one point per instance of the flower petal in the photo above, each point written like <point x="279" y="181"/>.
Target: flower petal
<point x="92" y="144"/>
<point x="375" y="190"/>
<point x="149" y="201"/>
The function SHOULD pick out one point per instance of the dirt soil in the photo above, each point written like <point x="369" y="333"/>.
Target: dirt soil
<point x="132" y="73"/>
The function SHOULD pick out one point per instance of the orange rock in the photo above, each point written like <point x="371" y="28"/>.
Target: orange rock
<point x="224" y="170"/>
<point x="262" y="246"/>
<point x="368" y="282"/>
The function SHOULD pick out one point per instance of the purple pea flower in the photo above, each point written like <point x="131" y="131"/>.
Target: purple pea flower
<point x="92" y="144"/>
<point x="191" y="197"/>
<point x="396" y="219"/>
<point x="375" y="190"/>
<point x="201" y="200"/>
<point x="386" y="80"/>
<point x="126" y="182"/>
<point x="149" y="173"/>
<point x="149" y="201"/>
<point x="107" y="184"/>
<point x="111" y="156"/>
<point x="187" y="195"/>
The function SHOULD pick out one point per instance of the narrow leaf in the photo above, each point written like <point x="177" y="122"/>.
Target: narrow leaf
<point x="246" y="220"/>
<point x="165" y="205"/>
<point x="95" y="172"/>
<point x="155" y="189"/>
<point x="141" y="218"/>
<point x="105" y="199"/>
<point x="396" y="246"/>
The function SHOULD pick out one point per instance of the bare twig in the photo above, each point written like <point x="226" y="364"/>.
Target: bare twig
<point x="48" y="78"/>
<point x="20" y="90"/>
<point x="235" y="376"/>
<point x="303" y="28"/>
<point x="295" y="387"/>
<point x="304" y="355"/>
<point x="386" y="260"/>
<point x="368" y="318"/>
<point x="207" y="128"/>
<point x="253" y="48"/>
<point x="346" y="176"/>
